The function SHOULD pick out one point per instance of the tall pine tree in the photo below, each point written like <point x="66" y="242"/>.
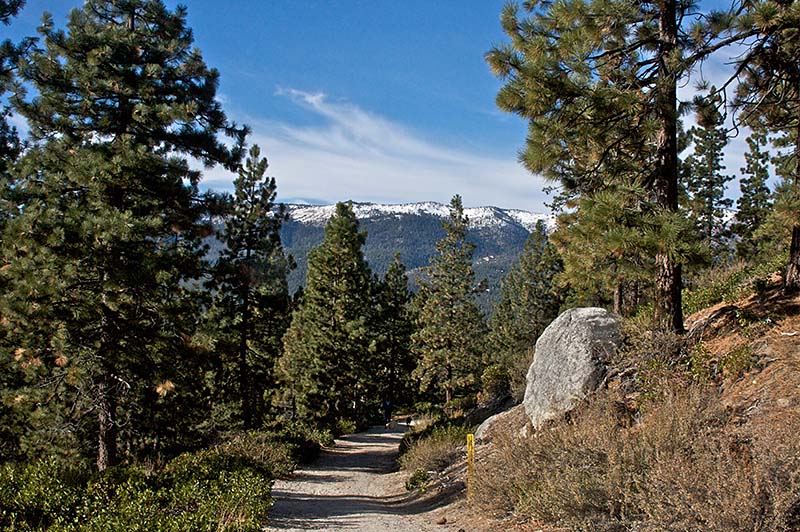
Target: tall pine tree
<point x="11" y="378"/>
<point x="392" y="328"/>
<point x="251" y="307"/>
<point x="597" y="81"/>
<point x="529" y="301"/>
<point x="450" y="327"/>
<point x="328" y="344"/>
<point x="769" y="97"/>
<point x="705" y="182"/>
<point x="105" y="240"/>
<point x="753" y="206"/>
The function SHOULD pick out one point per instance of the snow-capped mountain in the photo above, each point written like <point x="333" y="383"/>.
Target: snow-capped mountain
<point x="412" y="229"/>
<point x="479" y="217"/>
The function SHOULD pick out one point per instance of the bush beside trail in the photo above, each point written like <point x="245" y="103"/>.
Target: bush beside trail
<point x="434" y="444"/>
<point x="226" y="487"/>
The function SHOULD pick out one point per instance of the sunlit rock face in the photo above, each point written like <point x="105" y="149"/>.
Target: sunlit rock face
<point x="570" y="362"/>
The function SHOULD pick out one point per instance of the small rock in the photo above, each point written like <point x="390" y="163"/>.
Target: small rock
<point x="441" y="521"/>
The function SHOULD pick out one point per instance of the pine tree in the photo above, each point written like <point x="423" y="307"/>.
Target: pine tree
<point x="10" y="55"/>
<point x="9" y="9"/>
<point x="327" y="345"/>
<point x="104" y="244"/>
<point x="450" y="327"/>
<point x="753" y="206"/>
<point x="529" y="301"/>
<point x="705" y="181"/>
<point x="605" y="246"/>
<point x="392" y="328"/>
<point x="770" y="235"/>
<point x="769" y="97"/>
<point x="597" y="81"/>
<point x="11" y="378"/>
<point x="251" y="307"/>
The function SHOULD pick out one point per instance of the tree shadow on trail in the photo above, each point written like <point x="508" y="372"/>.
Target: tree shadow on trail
<point x="305" y="512"/>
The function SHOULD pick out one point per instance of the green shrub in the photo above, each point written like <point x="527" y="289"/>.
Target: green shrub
<point x="345" y="426"/>
<point x="707" y="367"/>
<point x="265" y="452"/>
<point x="418" y="479"/>
<point x="39" y="496"/>
<point x="304" y="441"/>
<point x="730" y="283"/>
<point x="223" y="488"/>
<point x="738" y="361"/>
<point x="124" y="498"/>
<point x="458" y="406"/>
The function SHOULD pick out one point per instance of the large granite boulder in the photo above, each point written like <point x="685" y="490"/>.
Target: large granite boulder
<point x="569" y="362"/>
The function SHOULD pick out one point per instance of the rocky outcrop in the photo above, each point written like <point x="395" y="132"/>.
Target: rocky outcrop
<point x="570" y="362"/>
<point x="511" y="422"/>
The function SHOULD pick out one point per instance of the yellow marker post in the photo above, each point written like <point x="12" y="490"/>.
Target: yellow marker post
<point x="470" y="464"/>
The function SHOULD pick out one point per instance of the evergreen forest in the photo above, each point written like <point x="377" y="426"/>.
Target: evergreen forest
<point x="149" y="382"/>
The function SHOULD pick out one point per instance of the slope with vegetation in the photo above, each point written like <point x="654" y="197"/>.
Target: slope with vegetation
<point x="695" y="432"/>
<point x="700" y="433"/>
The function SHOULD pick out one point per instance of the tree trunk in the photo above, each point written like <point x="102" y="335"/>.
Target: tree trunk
<point x="791" y="283"/>
<point x="107" y="429"/>
<point x="105" y="400"/>
<point x="245" y="391"/>
<point x="618" y="296"/>
<point x="668" y="312"/>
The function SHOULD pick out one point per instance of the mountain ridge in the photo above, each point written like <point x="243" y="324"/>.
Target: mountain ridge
<point x="412" y="229"/>
<point x="485" y="216"/>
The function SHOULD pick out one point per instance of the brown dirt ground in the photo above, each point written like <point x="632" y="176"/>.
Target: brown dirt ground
<point x="353" y="486"/>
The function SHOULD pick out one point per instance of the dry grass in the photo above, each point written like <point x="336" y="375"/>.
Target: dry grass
<point x="709" y="445"/>
<point x="436" y="450"/>
<point x="683" y="467"/>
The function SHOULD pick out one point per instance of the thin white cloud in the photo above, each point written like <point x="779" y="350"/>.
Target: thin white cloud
<point x="358" y="155"/>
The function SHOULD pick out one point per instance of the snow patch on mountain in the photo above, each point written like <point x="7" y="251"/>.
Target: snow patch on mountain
<point x="479" y="217"/>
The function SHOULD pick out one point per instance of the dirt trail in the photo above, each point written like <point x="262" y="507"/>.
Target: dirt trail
<point x="350" y="487"/>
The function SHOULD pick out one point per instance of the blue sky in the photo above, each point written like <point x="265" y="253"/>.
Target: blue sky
<point x="365" y="100"/>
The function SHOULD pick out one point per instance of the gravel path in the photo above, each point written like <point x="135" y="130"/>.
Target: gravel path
<point x="350" y="487"/>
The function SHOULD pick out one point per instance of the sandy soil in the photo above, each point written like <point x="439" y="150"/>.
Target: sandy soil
<point x="352" y="487"/>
